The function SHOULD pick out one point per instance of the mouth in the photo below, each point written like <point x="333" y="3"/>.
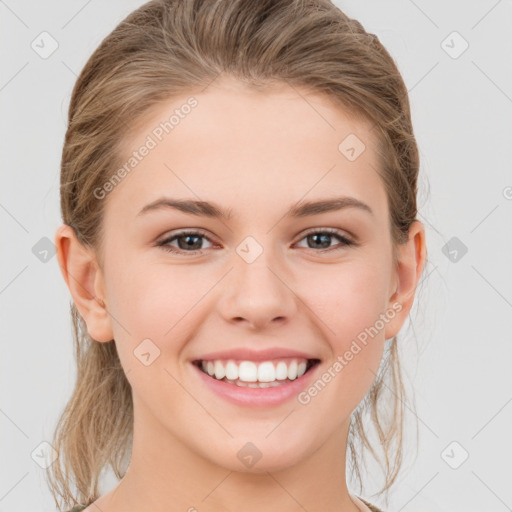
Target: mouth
<point x="256" y="374"/>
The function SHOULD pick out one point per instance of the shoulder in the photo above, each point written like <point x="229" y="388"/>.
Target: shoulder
<point x="373" y="508"/>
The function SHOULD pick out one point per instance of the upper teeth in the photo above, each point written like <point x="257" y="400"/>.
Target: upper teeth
<point x="249" y="371"/>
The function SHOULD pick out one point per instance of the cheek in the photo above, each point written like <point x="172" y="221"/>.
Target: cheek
<point x="348" y="298"/>
<point x="153" y="300"/>
<point x="349" y="301"/>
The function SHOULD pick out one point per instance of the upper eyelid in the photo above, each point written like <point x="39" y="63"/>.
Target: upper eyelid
<point x="184" y="231"/>
<point x="331" y="231"/>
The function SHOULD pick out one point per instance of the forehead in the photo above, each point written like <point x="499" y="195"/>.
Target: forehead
<point x="231" y="143"/>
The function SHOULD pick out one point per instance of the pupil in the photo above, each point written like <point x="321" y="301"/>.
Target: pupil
<point x="325" y="238"/>
<point x="187" y="244"/>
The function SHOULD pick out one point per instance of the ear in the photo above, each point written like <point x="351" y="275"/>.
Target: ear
<point x="411" y="260"/>
<point x="84" y="278"/>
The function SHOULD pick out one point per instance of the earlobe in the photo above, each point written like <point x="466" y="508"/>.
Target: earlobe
<point x="411" y="261"/>
<point x="84" y="278"/>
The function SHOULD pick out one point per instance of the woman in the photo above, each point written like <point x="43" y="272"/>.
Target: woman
<point x="240" y="241"/>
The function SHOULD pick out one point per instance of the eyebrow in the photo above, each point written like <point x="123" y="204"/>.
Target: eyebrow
<point x="300" y="209"/>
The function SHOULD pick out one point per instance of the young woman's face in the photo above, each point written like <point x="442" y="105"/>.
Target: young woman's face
<point x="262" y="280"/>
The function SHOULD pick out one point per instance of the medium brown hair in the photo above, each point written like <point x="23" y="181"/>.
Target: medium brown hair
<point x="168" y="47"/>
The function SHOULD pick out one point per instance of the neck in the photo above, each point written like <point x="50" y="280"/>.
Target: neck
<point x="167" y="476"/>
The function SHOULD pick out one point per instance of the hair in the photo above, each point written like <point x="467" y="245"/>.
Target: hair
<point x="167" y="47"/>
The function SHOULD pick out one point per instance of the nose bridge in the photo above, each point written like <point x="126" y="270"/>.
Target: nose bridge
<point x="255" y="269"/>
<point x="257" y="292"/>
<point x="259" y="275"/>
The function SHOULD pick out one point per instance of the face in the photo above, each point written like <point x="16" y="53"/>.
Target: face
<point x="266" y="282"/>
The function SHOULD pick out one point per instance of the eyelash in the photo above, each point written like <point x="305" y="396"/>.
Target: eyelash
<point x="333" y="232"/>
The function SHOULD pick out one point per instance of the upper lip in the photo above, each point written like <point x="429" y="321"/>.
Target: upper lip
<point x="256" y="355"/>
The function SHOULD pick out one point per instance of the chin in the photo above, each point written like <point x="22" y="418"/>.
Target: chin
<point x="258" y="456"/>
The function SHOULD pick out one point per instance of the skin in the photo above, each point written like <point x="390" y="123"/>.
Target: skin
<point x="256" y="153"/>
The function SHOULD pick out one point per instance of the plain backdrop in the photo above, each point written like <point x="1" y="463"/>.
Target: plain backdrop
<point x="455" y="58"/>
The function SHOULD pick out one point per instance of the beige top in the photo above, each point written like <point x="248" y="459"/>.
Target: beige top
<point x="373" y="508"/>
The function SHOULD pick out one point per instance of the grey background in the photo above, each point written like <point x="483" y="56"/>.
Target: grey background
<point x="457" y="345"/>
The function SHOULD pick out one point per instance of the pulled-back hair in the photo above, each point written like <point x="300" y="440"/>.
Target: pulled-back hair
<point x="166" y="48"/>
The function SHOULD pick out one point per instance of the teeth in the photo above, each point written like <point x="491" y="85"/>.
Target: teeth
<point x="281" y="371"/>
<point x="219" y="370"/>
<point x="292" y="370"/>
<point x="248" y="371"/>
<point x="231" y="370"/>
<point x="266" y="372"/>
<point x="251" y="374"/>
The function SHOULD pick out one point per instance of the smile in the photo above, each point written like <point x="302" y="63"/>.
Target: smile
<point x="260" y="374"/>
<point x="252" y="392"/>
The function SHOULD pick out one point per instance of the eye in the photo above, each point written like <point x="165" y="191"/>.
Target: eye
<point x="191" y="241"/>
<point x="321" y="239"/>
<point x="188" y="241"/>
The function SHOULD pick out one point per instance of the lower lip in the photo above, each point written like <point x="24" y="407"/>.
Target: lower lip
<point x="265" y="397"/>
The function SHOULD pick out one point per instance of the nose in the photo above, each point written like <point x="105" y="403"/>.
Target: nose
<point x="257" y="294"/>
